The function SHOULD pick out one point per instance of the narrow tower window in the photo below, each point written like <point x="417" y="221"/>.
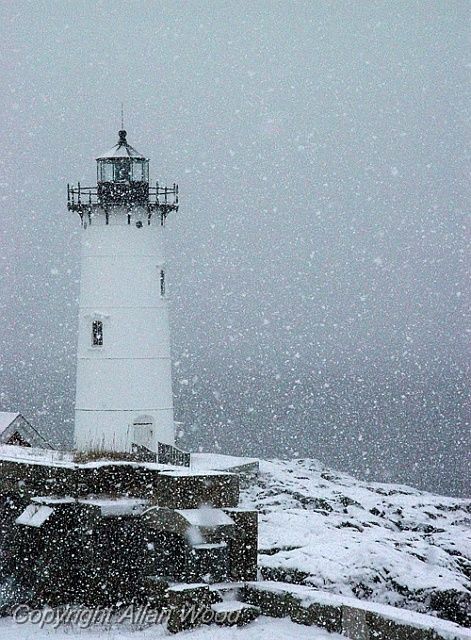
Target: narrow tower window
<point x="97" y="333"/>
<point x="162" y="283"/>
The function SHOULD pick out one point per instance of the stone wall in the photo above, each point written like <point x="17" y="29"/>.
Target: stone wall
<point x="243" y="546"/>
<point x="354" y="619"/>
<point x="161" y="485"/>
<point x="84" y="549"/>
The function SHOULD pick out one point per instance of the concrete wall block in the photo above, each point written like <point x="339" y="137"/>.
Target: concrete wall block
<point x="354" y="623"/>
<point x="210" y="564"/>
<point x="114" y="479"/>
<point x="156" y="589"/>
<point x="275" y="605"/>
<point x="191" y="491"/>
<point x="191" y="594"/>
<point x="325" y="616"/>
<point x="231" y="617"/>
<point x="382" y="628"/>
<point x="244" y="545"/>
<point x="183" y="618"/>
<point x="30" y="479"/>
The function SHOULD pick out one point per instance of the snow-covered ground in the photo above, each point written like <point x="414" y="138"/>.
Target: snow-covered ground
<point x="388" y="543"/>
<point x="261" y="629"/>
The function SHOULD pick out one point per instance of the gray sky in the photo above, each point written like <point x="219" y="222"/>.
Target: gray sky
<point x="317" y="266"/>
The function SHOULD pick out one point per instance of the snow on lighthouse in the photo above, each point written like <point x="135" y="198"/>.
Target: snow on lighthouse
<point x="124" y="386"/>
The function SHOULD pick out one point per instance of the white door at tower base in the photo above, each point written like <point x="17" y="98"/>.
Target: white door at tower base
<point x="143" y="432"/>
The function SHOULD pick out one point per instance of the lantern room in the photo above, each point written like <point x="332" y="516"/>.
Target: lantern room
<point x="122" y="181"/>
<point x="122" y="164"/>
<point x="122" y="174"/>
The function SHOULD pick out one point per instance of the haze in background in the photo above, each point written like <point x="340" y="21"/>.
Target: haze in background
<point x="317" y="266"/>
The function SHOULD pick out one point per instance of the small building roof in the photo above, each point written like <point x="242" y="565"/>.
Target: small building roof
<point x="122" y="150"/>
<point x="6" y="418"/>
<point x="16" y="430"/>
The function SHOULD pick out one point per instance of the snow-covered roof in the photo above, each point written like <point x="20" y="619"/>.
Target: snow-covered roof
<point x="34" y="455"/>
<point x="48" y="500"/>
<point x="34" y="515"/>
<point x="6" y="418"/>
<point x="219" y="462"/>
<point x="186" y="586"/>
<point x="110" y="506"/>
<point x="205" y="517"/>
<point x="122" y="150"/>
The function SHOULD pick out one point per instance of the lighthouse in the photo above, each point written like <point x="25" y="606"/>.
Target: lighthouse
<point x="124" y="386"/>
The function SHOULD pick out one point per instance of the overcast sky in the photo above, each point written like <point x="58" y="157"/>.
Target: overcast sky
<point x="317" y="267"/>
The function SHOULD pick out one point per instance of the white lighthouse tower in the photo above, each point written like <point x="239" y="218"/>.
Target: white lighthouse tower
<point x="124" y="387"/>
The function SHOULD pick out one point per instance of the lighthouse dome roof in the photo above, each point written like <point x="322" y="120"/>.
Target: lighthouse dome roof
<point x="122" y="150"/>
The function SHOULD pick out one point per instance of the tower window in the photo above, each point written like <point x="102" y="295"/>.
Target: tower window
<point x="97" y="333"/>
<point x="162" y="283"/>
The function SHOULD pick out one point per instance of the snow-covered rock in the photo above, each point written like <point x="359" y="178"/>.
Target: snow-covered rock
<point x="388" y="543"/>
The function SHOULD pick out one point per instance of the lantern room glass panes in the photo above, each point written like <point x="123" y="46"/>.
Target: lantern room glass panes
<point x="123" y="170"/>
<point x="105" y="171"/>
<point x="140" y="171"/>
